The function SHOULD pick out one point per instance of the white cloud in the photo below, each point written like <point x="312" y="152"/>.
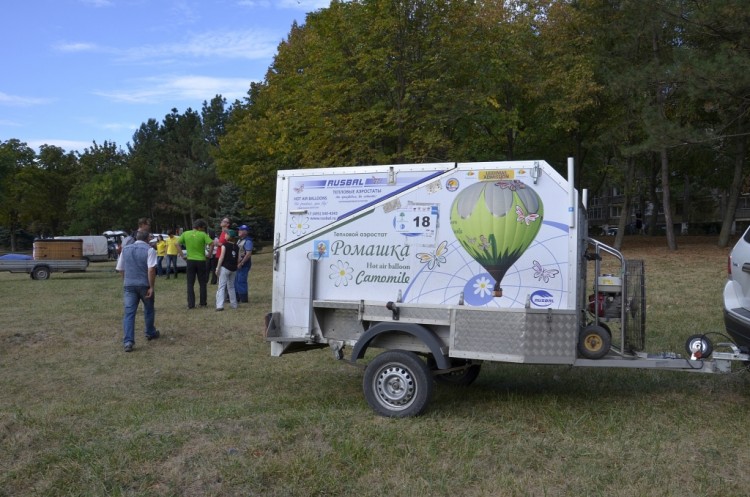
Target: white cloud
<point x="6" y="122"/>
<point x="226" y="45"/>
<point x="117" y="127"/>
<point x="287" y="4"/>
<point x="18" y="101"/>
<point x="76" y="47"/>
<point x="180" y="88"/>
<point x="98" y="3"/>
<point x="251" y="45"/>
<point x="67" y="145"/>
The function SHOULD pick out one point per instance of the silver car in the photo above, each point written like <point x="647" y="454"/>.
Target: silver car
<point x="737" y="293"/>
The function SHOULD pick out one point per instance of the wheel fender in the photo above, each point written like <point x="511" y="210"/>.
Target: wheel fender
<point x="416" y="330"/>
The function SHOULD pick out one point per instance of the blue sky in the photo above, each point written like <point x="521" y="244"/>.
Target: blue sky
<point x="77" y="71"/>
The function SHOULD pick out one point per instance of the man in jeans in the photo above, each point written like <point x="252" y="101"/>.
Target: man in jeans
<point x="137" y="265"/>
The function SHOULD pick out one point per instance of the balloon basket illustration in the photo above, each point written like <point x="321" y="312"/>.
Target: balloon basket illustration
<point x="495" y="222"/>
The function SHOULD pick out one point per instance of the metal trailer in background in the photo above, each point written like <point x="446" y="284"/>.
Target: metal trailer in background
<point x="50" y="256"/>
<point x="444" y="266"/>
<point x="41" y="269"/>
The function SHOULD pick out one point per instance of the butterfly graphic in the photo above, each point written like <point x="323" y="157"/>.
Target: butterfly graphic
<point x="523" y="218"/>
<point x="484" y="244"/>
<point x="300" y="188"/>
<point x="541" y="273"/>
<point x="511" y="185"/>
<point x="434" y="260"/>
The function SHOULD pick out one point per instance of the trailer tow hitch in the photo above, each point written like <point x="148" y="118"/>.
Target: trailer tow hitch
<point x="394" y="309"/>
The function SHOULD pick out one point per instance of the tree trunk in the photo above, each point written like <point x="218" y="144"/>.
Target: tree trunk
<point x="653" y="197"/>
<point x="666" y="200"/>
<point x="734" y="192"/>
<point x="627" y="201"/>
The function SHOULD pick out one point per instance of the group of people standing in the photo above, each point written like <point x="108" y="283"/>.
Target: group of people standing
<point x="168" y="248"/>
<point x="138" y="265"/>
<point x="233" y="259"/>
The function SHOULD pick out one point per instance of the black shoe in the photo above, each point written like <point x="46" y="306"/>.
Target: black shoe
<point x="154" y="336"/>
<point x="129" y="347"/>
<point x="219" y="309"/>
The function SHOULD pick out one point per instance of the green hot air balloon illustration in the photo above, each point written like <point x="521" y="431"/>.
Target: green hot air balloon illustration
<point x="495" y="222"/>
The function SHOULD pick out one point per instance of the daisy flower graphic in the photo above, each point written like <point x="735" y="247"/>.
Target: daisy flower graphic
<point x="482" y="287"/>
<point x="299" y="225"/>
<point x="341" y="273"/>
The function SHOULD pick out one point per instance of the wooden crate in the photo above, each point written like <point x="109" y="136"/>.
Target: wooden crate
<point x="58" y="249"/>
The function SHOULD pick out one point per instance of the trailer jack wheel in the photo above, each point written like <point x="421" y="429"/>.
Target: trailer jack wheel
<point x="699" y="346"/>
<point x="594" y="342"/>
<point x="398" y="384"/>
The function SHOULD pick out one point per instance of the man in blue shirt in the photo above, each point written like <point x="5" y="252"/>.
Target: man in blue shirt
<point x="137" y="265"/>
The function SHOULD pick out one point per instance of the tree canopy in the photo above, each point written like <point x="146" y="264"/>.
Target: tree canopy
<point x="649" y="96"/>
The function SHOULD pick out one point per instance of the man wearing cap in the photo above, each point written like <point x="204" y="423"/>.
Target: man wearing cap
<point x="243" y="264"/>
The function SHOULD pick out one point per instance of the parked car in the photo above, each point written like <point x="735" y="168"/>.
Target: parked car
<point x="737" y="293"/>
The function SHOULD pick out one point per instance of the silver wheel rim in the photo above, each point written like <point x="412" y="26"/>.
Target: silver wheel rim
<point x="395" y="386"/>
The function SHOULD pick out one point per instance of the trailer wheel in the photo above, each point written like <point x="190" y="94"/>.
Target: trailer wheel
<point x="462" y="378"/>
<point x="594" y="342"/>
<point x="40" y="273"/>
<point x="706" y="346"/>
<point x="398" y="384"/>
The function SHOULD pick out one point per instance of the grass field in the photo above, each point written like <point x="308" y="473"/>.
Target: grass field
<point x="205" y="411"/>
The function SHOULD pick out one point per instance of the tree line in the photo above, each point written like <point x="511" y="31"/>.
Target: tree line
<point x="650" y="96"/>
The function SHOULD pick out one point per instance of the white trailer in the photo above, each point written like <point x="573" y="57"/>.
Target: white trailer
<point x="447" y="265"/>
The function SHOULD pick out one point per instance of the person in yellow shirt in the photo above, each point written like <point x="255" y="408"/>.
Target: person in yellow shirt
<point x="173" y="248"/>
<point x="161" y="252"/>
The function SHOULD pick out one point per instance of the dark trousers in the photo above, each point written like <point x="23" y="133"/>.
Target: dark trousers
<point x="196" y="269"/>
<point x="212" y="265"/>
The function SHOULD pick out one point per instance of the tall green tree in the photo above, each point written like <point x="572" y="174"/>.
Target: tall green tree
<point x="716" y="71"/>
<point x="18" y="175"/>
<point x="143" y="164"/>
<point x="102" y="197"/>
<point x="59" y="170"/>
<point x="187" y="166"/>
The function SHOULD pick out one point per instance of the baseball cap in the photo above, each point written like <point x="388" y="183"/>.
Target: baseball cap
<point x="244" y="227"/>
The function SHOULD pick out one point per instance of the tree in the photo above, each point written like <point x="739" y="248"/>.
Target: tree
<point x="17" y="175"/>
<point x="716" y="72"/>
<point x="58" y="172"/>
<point x="102" y="197"/>
<point x="187" y="167"/>
<point x="143" y="163"/>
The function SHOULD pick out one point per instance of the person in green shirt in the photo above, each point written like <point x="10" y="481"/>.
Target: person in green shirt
<point x="195" y="242"/>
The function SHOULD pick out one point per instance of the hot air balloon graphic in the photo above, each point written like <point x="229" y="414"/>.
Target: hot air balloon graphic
<point x="495" y="222"/>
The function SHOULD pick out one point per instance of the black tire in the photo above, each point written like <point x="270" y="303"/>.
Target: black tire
<point x="707" y="347"/>
<point x="40" y="273"/>
<point x="594" y="342"/>
<point x="462" y="378"/>
<point x="398" y="384"/>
